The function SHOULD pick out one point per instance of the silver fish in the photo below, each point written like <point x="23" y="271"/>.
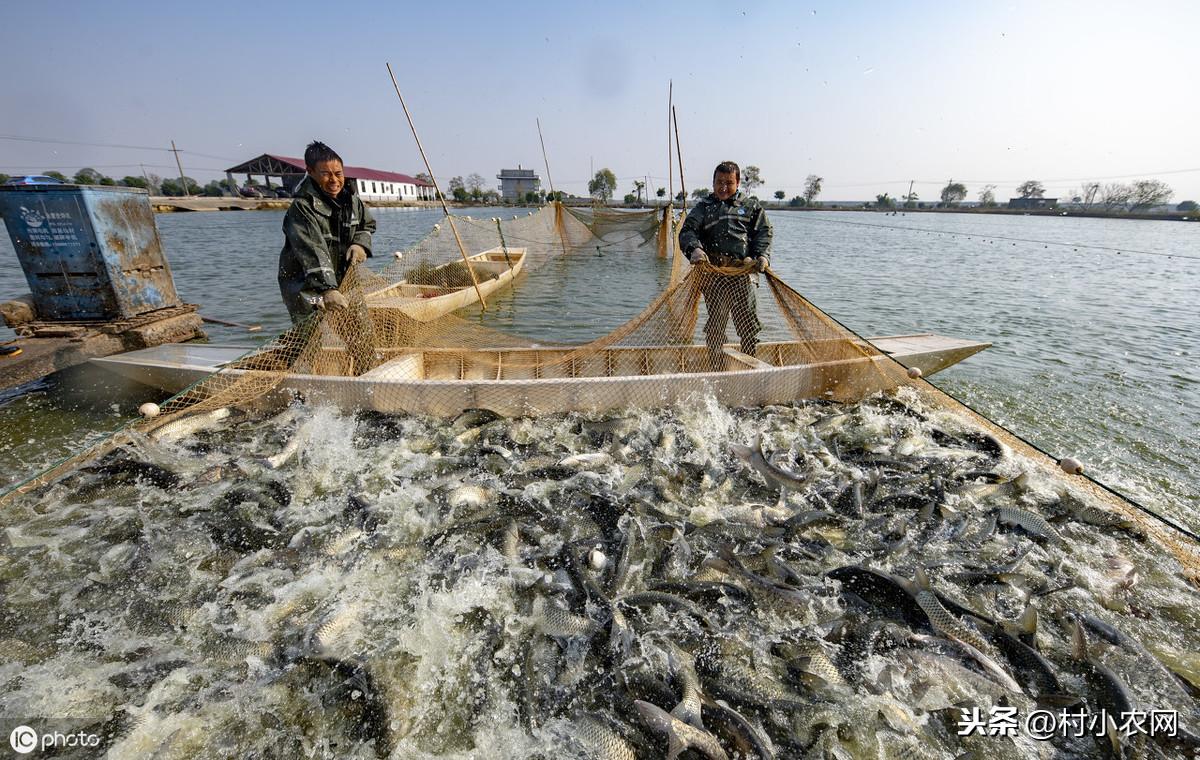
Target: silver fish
<point x="1031" y="523"/>
<point x="753" y="456"/>
<point x="602" y="742"/>
<point x="680" y="735"/>
<point x="185" y="426"/>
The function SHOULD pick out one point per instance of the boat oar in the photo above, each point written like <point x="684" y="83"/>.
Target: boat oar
<point x="224" y="323"/>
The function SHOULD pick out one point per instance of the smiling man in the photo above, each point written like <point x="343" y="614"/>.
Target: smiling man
<point x="326" y="230"/>
<point x="728" y="229"/>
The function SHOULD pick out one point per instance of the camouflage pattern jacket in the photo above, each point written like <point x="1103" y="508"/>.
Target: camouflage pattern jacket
<point x="735" y="228"/>
<point x="317" y="230"/>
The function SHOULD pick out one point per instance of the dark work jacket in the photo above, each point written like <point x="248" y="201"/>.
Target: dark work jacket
<point x="317" y="230"/>
<point x="735" y="228"/>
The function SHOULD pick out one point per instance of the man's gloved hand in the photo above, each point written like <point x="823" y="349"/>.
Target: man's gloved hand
<point x="697" y="255"/>
<point x="334" y="300"/>
<point x="760" y="264"/>
<point x="356" y="254"/>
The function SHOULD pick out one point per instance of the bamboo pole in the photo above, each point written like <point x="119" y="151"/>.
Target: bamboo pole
<point x="679" y="152"/>
<point x="433" y="178"/>
<point x="670" y="155"/>
<point x="544" y="158"/>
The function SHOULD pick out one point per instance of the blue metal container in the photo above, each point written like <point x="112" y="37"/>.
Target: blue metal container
<point x="89" y="252"/>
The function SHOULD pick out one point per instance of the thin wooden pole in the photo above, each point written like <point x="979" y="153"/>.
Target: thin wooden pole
<point x="670" y="154"/>
<point x="544" y="158"/>
<point x="433" y="178"/>
<point x="679" y="152"/>
<point x="182" y="181"/>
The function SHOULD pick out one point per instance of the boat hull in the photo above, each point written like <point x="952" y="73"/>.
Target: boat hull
<point x="445" y="382"/>
<point x="495" y="269"/>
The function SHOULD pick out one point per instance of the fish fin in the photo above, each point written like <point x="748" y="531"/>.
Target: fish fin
<point x="922" y="580"/>
<point x="743" y="453"/>
<point x="675" y="745"/>
<point x="1079" y="644"/>
<point x="1114" y="736"/>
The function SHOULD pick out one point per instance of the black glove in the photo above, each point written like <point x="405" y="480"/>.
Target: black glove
<point x="697" y="255"/>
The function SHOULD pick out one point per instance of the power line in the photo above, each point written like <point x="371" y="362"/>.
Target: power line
<point x="52" y="141"/>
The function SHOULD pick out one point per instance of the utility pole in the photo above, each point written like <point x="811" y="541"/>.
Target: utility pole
<point x="149" y="187"/>
<point x="182" y="181"/>
<point x="908" y="198"/>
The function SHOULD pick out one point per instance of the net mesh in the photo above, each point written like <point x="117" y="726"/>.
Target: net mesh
<point x="405" y="344"/>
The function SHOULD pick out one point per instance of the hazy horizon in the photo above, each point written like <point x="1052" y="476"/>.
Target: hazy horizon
<point x="868" y="97"/>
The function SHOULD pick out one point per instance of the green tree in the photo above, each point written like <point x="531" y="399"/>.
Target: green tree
<point x="953" y="192"/>
<point x="630" y="199"/>
<point x="455" y="183"/>
<point x="491" y="196"/>
<point x="57" y="175"/>
<point x="885" y="201"/>
<point x="910" y="200"/>
<point x="661" y="192"/>
<point x="987" y="196"/>
<point x="531" y="196"/>
<point x="1148" y="193"/>
<point x="751" y="178"/>
<point x="1031" y="188"/>
<point x="681" y="196"/>
<point x="780" y="195"/>
<point x="701" y="192"/>
<point x="603" y="185"/>
<point x="172" y="187"/>
<point x="812" y="188"/>
<point x="214" y="189"/>
<point x="424" y="177"/>
<point x="87" y="176"/>
<point x="638" y="187"/>
<point x="460" y="194"/>
<point x="4" y="178"/>
<point x="797" y="201"/>
<point x="1187" y="206"/>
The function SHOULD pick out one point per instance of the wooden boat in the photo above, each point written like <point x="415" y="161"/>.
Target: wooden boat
<point x="525" y="381"/>
<point x="494" y="268"/>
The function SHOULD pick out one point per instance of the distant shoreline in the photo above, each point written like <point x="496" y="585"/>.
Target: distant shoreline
<point x="166" y="205"/>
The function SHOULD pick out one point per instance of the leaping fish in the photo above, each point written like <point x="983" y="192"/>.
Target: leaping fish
<point x="753" y="456"/>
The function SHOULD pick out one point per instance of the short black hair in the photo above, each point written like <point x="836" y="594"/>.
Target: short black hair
<point x="317" y="152"/>
<point x="727" y="167"/>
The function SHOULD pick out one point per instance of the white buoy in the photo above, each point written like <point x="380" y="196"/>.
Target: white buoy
<point x="149" y="409"/>
<point x="597" y="560"/>
<point x="397" y="255"/>
<point x="1070" y="465"/>
<point x="915" y="372"/>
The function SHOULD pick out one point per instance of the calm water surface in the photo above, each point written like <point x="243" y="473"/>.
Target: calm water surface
<point x="1095" y="322"/>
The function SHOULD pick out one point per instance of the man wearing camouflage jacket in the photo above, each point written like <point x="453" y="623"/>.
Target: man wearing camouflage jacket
<point x="326" y="230"/>
<point x="728" y="229"/>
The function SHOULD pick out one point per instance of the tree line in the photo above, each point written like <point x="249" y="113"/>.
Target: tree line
<point x="603" y="185"/>
<point x="1140" y="195"/>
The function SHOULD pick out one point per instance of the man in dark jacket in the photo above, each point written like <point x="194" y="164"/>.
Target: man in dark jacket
<point x="728" y="229"/>
<point x="326" y="230"/>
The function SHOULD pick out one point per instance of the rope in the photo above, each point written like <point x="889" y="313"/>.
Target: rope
<point x="1011" y="239"/>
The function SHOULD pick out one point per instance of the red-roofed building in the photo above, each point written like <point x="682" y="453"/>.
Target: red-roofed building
<point x="373" y="184"/>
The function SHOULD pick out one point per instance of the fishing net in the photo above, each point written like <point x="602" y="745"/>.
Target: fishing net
<point x="417" y="339"/>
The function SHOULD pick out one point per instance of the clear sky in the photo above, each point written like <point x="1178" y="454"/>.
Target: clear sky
<point x="866" y="95"/>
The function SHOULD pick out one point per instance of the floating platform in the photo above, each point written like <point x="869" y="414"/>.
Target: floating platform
<point x="48" y="347"/>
